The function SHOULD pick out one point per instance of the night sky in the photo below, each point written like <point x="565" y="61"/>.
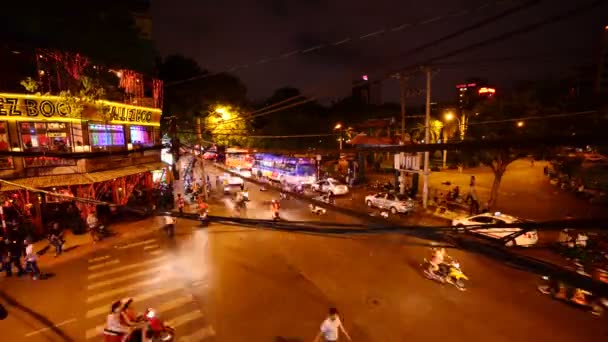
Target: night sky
<point x="220" y="34"/>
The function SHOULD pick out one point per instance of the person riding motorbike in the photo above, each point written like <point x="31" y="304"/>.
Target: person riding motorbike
<point x="115" y="331"/>
<point x="274" y="207"/>
<point x="438" y="257"/>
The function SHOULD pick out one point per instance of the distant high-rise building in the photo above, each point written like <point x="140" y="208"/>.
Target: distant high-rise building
<point x="367" y="92"/>
<point x="471" y="92"/>
<point x="601" y="83"/>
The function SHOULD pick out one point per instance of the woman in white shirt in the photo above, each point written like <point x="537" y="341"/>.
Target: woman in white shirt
<point x="331" y="327"/>
<point x="114" y="330"/>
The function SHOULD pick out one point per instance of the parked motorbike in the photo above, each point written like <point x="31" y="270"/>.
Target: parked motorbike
<point x="578" y="297"/>
<point x="99" y="232"/>
<point x="448" y="272"/>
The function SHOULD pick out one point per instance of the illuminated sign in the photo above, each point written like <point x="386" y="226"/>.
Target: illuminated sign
<point x="485" y="90"/>
<point x="21" y="107"/>
<point x="365" y="78"/>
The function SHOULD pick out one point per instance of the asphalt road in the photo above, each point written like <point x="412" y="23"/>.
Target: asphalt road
<point x="231" y="283"/>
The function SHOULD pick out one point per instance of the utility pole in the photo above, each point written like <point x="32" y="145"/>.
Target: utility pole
<point x="427" y="124"/>
<point x="174" y="145"/>
<point x="403" y="94"/>
<point x="199" y="138"/>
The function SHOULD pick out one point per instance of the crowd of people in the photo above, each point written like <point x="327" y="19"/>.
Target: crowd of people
<point x="14" y="246"/>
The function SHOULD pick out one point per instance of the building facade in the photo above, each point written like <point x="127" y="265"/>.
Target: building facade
<point x="69" y="151"/>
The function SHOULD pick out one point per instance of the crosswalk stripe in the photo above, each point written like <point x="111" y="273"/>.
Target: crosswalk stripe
<point x="185" y="318"/>
<point x="137" y="298"/>
<point x="120" y="279"/>
<point x="105" y="264"/>
<point x="125" y="268"/>
<point x="199" y="335"/>
<point x="167" y="306"/>
<point x="115" y="292"/>
<point x="151" y="247"/>
<point x="99" y="259"/>
<point x="156" y="252"/>
<point x="135" y="244"/>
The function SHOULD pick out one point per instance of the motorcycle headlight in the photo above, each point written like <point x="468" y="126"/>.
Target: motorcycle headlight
<point x="151" y="314"/>
<point x="457" y="265"/>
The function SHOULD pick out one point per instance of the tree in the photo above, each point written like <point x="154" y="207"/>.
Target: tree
<point x="225" y="125"/>
<point x="308" y="118"/>
<point x="188" y="95"/>
<point x="436" y="127"/>
<point x="499" y="109"/>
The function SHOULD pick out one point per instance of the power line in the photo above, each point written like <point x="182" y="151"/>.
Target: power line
<point x="499" y="38"/>
<point x="366" y="36"/>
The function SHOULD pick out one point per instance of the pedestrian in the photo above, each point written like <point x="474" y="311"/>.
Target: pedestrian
<point x="31" y="262"/>
<point x="532" y="162"/>
<point x="180" y="204"/>
<point x="169" y="225"/>
<point x="93" y="224"/>
<point x="331" y="327"/>
<point x="15" y="250"/>
<point x="546" y="170"/>
<point x="56" y="238"/>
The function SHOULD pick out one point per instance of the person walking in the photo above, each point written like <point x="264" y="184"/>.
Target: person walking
<point x="331" y="327"/>
<point x="31" y="262"/>
<point x="15" y="250"/>
<point x="93" y="224"/>
<point x="56" y="238"/>
<point x="181" y="203"/>
<point x="170" y="225"/>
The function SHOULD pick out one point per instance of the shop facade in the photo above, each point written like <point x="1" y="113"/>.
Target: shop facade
<point x="37" y="128"/>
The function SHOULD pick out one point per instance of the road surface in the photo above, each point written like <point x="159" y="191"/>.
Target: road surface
<point x="231" y="283"/>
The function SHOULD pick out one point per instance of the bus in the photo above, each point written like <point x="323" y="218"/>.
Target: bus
<point x="291" y="170"/>
<point x="240" y="159"/>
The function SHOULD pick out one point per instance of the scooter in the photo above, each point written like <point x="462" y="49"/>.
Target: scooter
<point x="578" y="297"/>
<point x="448" y="272"/>
<point x="157" y="329"/>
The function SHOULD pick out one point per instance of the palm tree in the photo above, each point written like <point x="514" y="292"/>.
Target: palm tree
<point x="417" y="132"/>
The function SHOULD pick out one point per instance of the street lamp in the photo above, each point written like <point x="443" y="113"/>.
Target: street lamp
<point x="223" y="111"/>
<point x="520" y="124"/>
<point x="339" y="126"/>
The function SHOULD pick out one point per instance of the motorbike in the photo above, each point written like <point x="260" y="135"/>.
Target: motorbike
<point x="578" y="297"/>
<point x="157" y="329"/>
<point x="99" y="232"/>
<point x="204" y="218"/>
<point x="448" y="272"/>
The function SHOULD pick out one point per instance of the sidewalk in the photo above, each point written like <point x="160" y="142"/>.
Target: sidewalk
<point x="76" y="246"/>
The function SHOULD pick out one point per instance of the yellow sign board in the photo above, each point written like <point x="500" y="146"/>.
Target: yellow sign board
<point x="23" y="107"/>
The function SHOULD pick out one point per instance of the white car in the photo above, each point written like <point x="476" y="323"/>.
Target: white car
<point x="526" y="239"/>
<point x="330" y="186"/>
<point x="395" y="203"/>
<point x="232" y="180"/>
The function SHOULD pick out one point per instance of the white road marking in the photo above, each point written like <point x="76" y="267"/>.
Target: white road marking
<point x="105" y="264"/>
<point x="30" y="334"/>
<point x="151" y="247"/>
<point x="199" y="335"/>
<point x="137" y="298"/>
<point x="156" y="252"/>
<point x="185" y="318"/>
<point x="119" y="279"/>
<point x="125" y="268"/>
<point x="167" y="306"/>
<point x="135" y="244"/>
<point x="99" y="259"/>
<point x="130" y="287"/>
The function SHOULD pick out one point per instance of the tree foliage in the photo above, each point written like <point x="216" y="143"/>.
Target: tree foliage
<point x="196" y="97"/>
<point x="225" y="125"/>
<point x="309" y="118"/>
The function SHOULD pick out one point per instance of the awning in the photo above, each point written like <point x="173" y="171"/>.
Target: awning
<point x="125" y="171"/>
<point x="80" y="178"/>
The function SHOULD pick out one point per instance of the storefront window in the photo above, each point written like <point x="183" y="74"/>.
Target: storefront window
<point x="5" y="162"/>
<point x="43" y="136"/>
<point x="142" y="135"/>
<point x="103" y="136"/>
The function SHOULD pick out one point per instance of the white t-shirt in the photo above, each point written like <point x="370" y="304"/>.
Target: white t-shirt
<point x="169" y="220"/>
<point x="329" y="329"/>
